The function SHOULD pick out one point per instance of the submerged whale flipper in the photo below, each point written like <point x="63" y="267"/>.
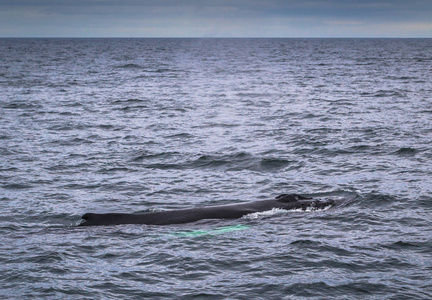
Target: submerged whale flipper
<point x="232" y="211"/>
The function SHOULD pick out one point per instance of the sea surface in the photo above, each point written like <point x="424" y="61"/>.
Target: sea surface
<point x="138" y="125"/>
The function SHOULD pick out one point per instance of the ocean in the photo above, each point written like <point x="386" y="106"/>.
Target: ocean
<point x="139" y="125"/>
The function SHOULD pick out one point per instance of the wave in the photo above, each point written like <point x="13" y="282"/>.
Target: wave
<point x="16" y="186"/>
<point x="232" y="162"/>
<point x="406" y="151"/>
<point x="385" y="93"/>
<point x="129" y="66"/>
<point x="21" y="105"/>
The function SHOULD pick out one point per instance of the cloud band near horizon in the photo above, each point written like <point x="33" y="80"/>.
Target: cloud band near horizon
<point x="208" y="18"/>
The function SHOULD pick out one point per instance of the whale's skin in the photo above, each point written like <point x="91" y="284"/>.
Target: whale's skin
<point x="231" y="211"/>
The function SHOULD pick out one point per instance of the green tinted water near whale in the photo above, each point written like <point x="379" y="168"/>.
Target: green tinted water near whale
<point x="219" y="230"/>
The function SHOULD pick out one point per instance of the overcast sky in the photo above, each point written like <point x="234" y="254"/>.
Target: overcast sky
<point x="215" y="18"/>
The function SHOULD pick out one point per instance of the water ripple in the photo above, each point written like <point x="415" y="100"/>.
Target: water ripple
<point x="139" y="125"/>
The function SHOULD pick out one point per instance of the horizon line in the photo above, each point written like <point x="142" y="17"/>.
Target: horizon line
<point x="203" y="37"/>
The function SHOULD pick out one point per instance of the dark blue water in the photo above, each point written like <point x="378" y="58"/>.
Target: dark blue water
<point x="136" y="125"/>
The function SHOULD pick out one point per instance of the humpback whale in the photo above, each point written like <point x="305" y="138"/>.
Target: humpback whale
<point x="231" y="211"/>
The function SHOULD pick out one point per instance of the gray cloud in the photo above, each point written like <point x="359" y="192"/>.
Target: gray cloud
<point x="215" y="18"/>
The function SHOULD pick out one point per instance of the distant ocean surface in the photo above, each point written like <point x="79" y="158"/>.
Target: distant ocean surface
<point x="137" y="125"/>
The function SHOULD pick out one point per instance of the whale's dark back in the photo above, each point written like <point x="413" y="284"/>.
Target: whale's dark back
<point x="232" y="211"/>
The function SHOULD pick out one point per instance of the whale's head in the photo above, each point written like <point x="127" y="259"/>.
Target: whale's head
<point x="294" y="201"/>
